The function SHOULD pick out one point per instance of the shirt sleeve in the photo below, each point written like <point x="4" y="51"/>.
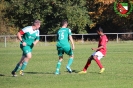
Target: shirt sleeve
<point x="69" y="32"/>
<point x="21" y="32"/>
<point x="37" y="35"/>
<point x="24" y="30"/>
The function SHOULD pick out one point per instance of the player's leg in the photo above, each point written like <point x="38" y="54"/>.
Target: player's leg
<point x="27" y="52"/>
<point x="18" y="66"/>
<point x="25" y="62"/>
<point x="98" y="61"/>
<point x="87" y="65"/>
<point x="70" y="61"/>
<point x="69" y="52"/>
<point x="98" y="55"/>
<point x="58" y="65"/>
<point x="60" y="54"/>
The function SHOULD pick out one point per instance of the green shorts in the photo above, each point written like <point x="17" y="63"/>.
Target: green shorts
<point x="66" y="49"/>
<point x="26" y="49"/>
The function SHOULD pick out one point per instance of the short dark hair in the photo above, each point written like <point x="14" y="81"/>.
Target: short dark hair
<point x="63" y="22"/>
<point x="36" y="22"/>
<point x="99" y="29"/>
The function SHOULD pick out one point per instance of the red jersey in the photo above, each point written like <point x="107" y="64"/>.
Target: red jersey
<point x="102" y="42"/>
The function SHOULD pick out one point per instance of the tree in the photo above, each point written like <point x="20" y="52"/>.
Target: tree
<point x="3" y="27"/>
<point x="102" y="12"/>
<point x="50" y="12"/>
<point x="82" y="15"/>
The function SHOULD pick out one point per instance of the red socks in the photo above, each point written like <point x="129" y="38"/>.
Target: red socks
<point x="89" y="62"/>
<point x="98" y="63"/>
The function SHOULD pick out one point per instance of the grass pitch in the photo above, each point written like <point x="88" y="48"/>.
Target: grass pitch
<point x="40" y="69"/>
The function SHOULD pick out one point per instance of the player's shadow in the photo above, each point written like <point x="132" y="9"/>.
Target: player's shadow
<point x="38" y="72"/>
<point x="34" y="72"/>
<point x="94" y="73"/>
<point x="2" y="75"/>
<point x="76" y="71"/>
<point x="73" y="71"/>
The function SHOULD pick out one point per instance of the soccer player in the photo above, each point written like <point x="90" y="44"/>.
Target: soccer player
<point x="29" y="37"/>
<point x="99" y="53"/>
<point x="63" y="46"/>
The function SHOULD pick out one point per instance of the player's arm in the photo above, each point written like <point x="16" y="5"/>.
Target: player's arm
<point x="96" y="49"/>
<point x="35" y="42"/>
<point x="72" y="42"/>
<point x="102" y="43"/>
<point x="19" y="34"/>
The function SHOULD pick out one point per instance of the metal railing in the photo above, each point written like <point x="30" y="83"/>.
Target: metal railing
<point x="4" y="38"/>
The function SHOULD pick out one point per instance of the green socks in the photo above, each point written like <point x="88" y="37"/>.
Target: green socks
<point x="58" y="67"/>
<point x="24" y="65"/>
<point x="19" y="67"/>
<point x="16" y="68"/>
<point x="70" y="61"/>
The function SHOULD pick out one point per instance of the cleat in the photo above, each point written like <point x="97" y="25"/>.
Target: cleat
<point x="57" y="72"/>
<point x="13" y="74"/>
<point x="102" y="70"/>
<point x="21" y="72"/>
<point x="82" y="72"/>
<point x="69" y="69"/>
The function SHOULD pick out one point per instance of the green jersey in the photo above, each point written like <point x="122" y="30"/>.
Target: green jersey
<point x="63" y="37"/>
<point x="29" y="35"/>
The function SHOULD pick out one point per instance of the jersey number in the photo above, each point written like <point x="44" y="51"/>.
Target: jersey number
<point x="61" y="36"/>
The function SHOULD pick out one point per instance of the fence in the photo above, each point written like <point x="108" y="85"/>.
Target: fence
<point x="5" y="39"/>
